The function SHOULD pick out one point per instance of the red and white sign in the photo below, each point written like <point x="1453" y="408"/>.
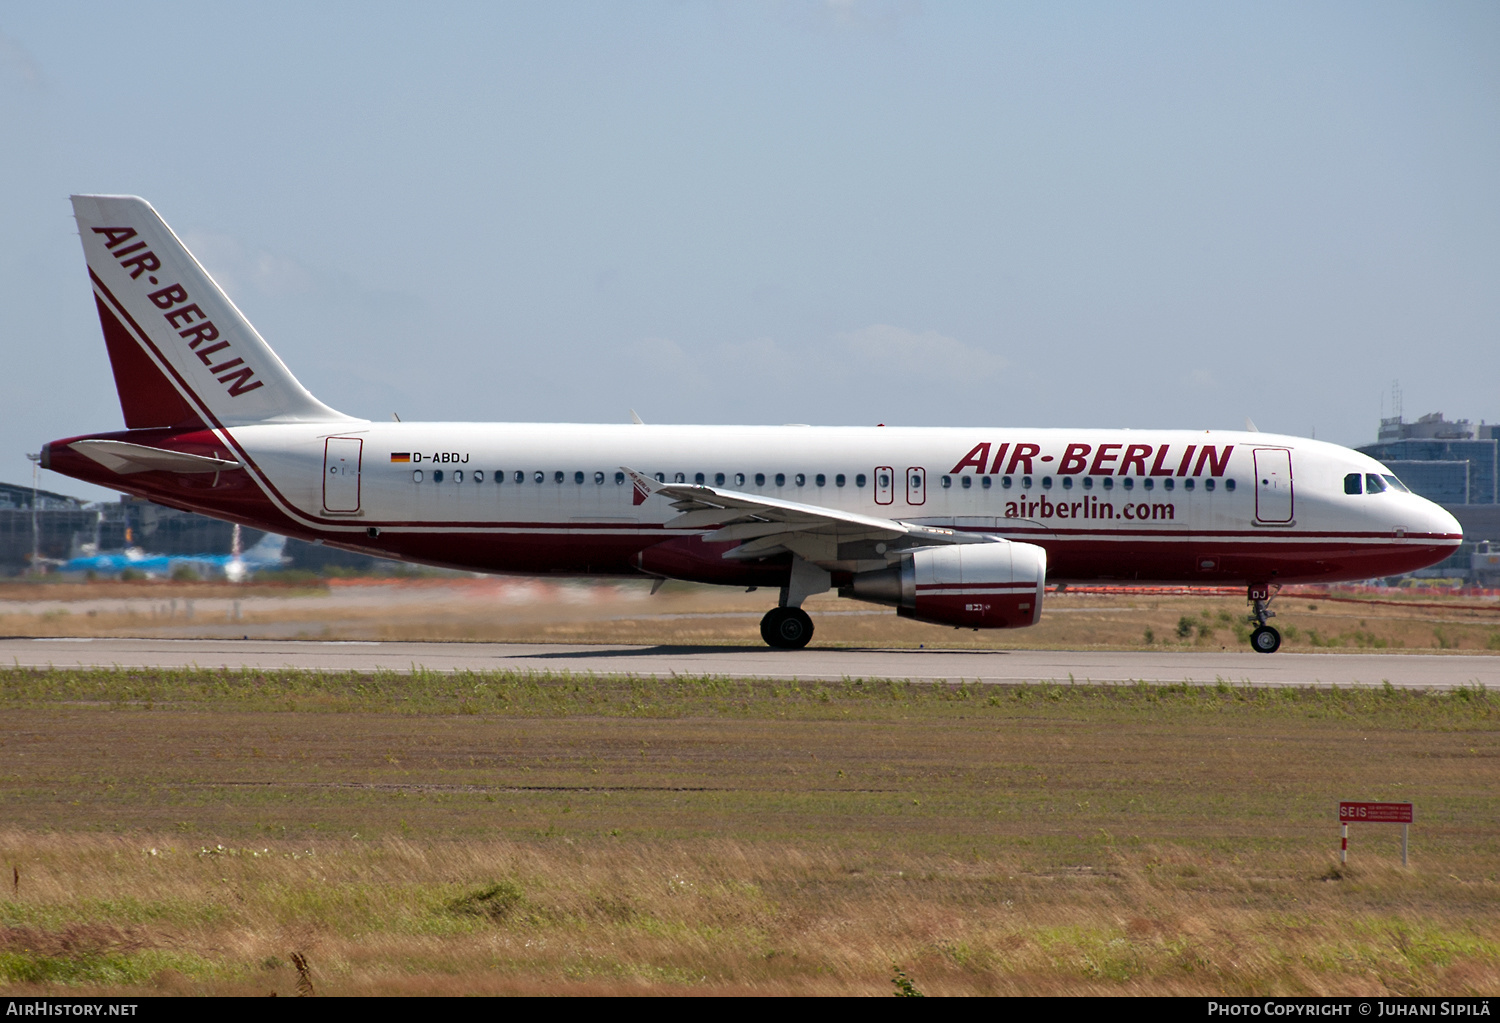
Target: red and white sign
<point x="1375" y="813"/>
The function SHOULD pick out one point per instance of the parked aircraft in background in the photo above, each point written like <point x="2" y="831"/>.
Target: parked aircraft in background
<point x="960" y="527"/>
<point x="235" y="566"/>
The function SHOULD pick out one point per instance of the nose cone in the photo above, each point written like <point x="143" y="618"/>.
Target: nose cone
<point x="1440" y="522"/>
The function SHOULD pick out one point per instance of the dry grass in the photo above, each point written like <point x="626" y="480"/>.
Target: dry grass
<point x="536" y="611"/>
<point x="524" y="834"/>
<point x="723" y="916"/>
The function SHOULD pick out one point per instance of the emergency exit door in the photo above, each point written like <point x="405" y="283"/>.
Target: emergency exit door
<point x="341" y="457"/>
<point x="916" y="485"/>
<point x="885" y="483"/>
<point x="1273" y="485"/>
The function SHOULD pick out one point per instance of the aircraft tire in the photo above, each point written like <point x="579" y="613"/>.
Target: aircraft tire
<point x="786" y="628"/>
<point x="1265" y="640"/>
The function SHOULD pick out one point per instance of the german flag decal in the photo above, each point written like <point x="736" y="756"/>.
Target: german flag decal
<point x="400" y="456"/>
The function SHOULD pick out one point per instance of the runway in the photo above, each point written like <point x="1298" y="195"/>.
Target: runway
<point x="1417" y="671"/>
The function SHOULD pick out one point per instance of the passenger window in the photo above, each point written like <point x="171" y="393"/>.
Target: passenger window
<point x="1109" y="483"/>
<point x="1168" y="484"/>
<point x="699" y="478"/>
<point x="578" y="477"/>
<point x="1208" y="484"/>
<point x="760" y="479"/>
<point x="478" y="475"/>
<point x="1067" y="483"/>
<point x="859" y="480"/>
<point x="739" y="479"/>
<point x="1373" y="483"/>
<point x="598" y="479"/>
<point x="661" y="477"/>
<point x="800" y="480"/>
<point x="539" y="476"/>
<point x="499" y="475"/>
<point x="619" y="479"/>
<point x="437" y="475"/>
<point x="966" y="482"/>
<point x="820" y="480"/>
<point x="1395" y="483"/>
<point x="1127" y="483"/>
<point x="416" y="475"/>
<point x="1148" y="483"/>
<point x="1187" y="484"/>
<point x="985" y="482"/>
<point x="781" y="479"/>
<point x="1005" y="482"/>
<point x="1088" y="483"/>
<point x="1046" y="482"/>
<point x="679" y="478"/>
<point x="1228" y="484"/>
<point x="838" y="480"/>
<point x="520" y="476"/>
<point x="557" y="477"/>
<point x="885" y="480"/>
<point x="718" y="479"/>
<point x="1025" y="482"/>
<point x="916" y="481"/>
<point x="458" y="475"/>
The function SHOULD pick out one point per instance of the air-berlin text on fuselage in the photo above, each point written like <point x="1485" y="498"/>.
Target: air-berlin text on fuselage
<point x="1096" y="460"/>
<point x="181" y="313"/>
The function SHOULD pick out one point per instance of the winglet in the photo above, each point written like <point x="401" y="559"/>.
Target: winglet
<point x="645" y="486"/>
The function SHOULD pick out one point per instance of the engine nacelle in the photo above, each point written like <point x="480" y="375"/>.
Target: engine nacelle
<point x="975" y="586"/>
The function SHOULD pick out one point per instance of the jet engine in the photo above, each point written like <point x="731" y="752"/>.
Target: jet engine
<point x="994" y="585"/>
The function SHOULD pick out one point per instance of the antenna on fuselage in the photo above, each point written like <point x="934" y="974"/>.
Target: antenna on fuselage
<point x="637" y="420"/>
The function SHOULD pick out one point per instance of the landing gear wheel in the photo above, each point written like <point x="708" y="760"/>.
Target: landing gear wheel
<point x="786" y="628"/>
<point x="1265" y="640"/>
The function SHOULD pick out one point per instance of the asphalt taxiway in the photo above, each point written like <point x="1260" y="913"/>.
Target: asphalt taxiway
<point x="1418" y="671"/>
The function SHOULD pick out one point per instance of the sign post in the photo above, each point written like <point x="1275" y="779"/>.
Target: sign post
<point x="1373" y="813"/>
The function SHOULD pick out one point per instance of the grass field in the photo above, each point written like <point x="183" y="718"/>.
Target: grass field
<point x="187" y="832"/>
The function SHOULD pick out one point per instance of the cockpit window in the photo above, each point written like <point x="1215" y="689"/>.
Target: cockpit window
<point x="1373" y="483"/>
<point x="1351" y="483"/>
<point x="1395" y="483"/>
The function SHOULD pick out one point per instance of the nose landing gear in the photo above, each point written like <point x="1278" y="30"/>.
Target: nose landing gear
<point x="1266" y="639"/>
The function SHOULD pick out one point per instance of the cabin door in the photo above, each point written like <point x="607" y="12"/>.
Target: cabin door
<point x="1273" y="485"/>
<point x="341" y="458"/>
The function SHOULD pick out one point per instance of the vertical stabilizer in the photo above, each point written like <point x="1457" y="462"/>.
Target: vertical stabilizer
<point x="183" y="355"/>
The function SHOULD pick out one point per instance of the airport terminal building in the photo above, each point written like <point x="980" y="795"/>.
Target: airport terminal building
<point x="1453" y="463"/>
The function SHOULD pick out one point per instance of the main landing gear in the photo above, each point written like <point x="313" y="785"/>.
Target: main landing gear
<point x="1265" y="639"/>
<point x="786" y="628"/>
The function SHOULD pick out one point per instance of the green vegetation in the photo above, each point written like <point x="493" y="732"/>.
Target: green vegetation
<point x="204" y="831"/>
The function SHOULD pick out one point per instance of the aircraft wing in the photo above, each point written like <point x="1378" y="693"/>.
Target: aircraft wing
<point x="125" y="458"/>
<point x="767" y="525"/>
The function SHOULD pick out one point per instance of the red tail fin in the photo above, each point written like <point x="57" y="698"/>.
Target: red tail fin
<point x="147" y="397"/>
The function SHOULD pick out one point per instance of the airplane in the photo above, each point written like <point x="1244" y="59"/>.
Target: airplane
<point x="960" y="527"/>
<point x="234" y="566"/>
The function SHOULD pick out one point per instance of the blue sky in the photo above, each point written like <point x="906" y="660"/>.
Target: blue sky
<point x="1147" y="215"/>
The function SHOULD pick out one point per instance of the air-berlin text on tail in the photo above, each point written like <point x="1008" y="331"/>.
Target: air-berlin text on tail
<point x="180" y="312"/>
<point x="988" y="459"/>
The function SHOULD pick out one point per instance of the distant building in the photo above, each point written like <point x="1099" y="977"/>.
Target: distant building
<point x="64" y="527"/>
<point x="1455" y="464"/>
<point x="1452" y="463"/>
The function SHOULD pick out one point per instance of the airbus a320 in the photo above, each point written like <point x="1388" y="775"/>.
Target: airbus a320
<point x="956" y="527"/>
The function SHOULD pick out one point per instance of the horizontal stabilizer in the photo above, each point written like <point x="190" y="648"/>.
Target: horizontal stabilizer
<point x="124" y="458"/>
